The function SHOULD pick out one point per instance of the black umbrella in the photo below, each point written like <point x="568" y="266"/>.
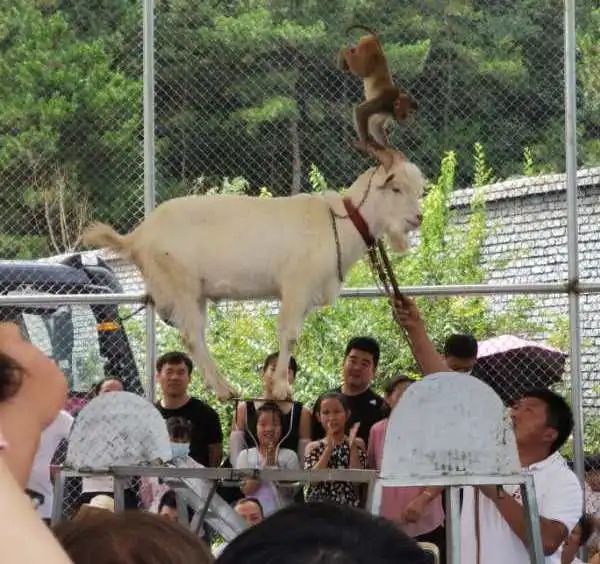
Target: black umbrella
<point x="511" y="365"/>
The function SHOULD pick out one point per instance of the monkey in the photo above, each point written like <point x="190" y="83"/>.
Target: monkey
<point x="384" y="101"/>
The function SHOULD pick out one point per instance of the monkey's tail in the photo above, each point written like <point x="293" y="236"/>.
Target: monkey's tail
<point x="103" y="235"/>
<point x="363" y="27"/>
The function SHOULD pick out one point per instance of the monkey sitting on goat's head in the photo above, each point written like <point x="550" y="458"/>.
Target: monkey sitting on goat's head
<point x="383" y="99"/>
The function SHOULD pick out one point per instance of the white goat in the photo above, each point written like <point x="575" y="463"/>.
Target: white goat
<point x="196" y="248"/>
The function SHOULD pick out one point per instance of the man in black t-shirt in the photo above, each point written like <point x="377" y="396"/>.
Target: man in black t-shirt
<point x="360" y="362"/>
<point x="173" y="373"/>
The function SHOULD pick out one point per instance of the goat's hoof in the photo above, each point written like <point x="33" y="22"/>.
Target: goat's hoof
<point x="225" y="393"/>
<point x="281" y="390"/>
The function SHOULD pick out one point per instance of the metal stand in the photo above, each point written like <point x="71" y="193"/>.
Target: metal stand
<point x="453" y="483"/>
<point x="452" y="494"/>
<point x="57" y="502"/>
<point x="227" y="476"/>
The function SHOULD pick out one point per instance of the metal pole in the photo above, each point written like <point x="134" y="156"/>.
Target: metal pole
<point x="149" y="176"/>
<point x="452" y="494"/>
<point x="532" y="521"/>
<point x="457" y="290"/>
<point x="572" y="235"/>
<point x="69" y="299"/>
<point x="58" y="501"/>
<point x="119" y="493"/>
<point x="463" y="290"/>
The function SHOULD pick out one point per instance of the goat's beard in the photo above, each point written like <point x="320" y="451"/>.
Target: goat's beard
<point x="398" y="240"/>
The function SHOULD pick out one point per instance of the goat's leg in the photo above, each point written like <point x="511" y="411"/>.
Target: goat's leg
<point x="192" y="322"/>
<point x="291" y="316"/>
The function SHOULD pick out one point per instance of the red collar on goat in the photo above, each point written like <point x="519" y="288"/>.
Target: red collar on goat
<point x="359" y="222"/>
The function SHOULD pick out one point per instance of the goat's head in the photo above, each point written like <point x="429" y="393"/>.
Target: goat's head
<point x="399" y="184"/>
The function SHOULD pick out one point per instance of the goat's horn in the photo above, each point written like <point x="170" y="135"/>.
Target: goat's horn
<point x="384" y="156"/>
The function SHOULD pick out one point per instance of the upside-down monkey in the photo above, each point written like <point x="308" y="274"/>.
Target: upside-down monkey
<point x="384" y="100"/>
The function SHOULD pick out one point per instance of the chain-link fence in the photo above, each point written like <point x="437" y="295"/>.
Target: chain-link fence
<point x="248" y="96"/>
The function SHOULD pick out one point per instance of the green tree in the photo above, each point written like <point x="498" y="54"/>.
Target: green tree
<point x="69" y="122"/>
<point x="250" y="89"/>
<point x="588" y="75"/>
<point x="260" y="79"/>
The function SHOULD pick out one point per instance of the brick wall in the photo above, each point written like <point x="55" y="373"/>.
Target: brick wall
<point x="527" y="243"/>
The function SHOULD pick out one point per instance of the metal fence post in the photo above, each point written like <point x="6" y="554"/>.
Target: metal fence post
<point x="572" y="235"/>
<point x="149" y="177"/>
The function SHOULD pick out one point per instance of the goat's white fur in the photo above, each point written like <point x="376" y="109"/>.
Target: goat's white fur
<point x="196" y="248"/>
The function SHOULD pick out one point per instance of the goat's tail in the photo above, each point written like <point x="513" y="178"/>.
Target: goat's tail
<point x="103" y="235"/>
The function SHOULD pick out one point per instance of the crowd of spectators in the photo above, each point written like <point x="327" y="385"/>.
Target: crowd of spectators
<point x="344" y="428"/>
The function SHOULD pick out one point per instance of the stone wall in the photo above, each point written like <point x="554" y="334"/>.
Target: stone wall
<point x="527" y="243"/>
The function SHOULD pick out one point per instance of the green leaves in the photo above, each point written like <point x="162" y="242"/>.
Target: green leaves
<point x="273" y="109"/>
<point x="407" y="61"/>
<point x="63" y="106"/>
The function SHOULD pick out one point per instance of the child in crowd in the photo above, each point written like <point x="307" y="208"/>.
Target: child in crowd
<point x="152" y="489"/>
<point x="180" y="435"/>
<point x="296" y="422"/>
<point x="335" y="450"/>
<point x="268" y="455"/>
<point x="416" y="510"/>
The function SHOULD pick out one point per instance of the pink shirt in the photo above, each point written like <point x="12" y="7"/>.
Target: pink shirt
<point x="395" y="500"/>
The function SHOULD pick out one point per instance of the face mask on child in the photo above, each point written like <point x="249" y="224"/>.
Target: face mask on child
<point x="180" y="450"/>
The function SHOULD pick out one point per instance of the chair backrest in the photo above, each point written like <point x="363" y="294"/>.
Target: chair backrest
<point x="449" y="424"/>
<point x="432" y="551"/>
<point x="119" y="428"/>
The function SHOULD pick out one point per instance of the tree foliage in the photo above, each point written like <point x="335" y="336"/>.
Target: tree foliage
<point x="250" y="89"/>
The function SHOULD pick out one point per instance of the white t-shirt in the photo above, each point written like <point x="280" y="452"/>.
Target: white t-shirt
<point x="559" y="498"/>
<point x="39" y="479"/>
<point x="270" y="496"/>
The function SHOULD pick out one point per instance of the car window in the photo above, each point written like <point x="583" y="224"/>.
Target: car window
<point x="76" y="350"/>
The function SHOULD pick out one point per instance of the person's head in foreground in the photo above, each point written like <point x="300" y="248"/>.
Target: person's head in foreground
<point x="323" y="533"/>
<point x="542" y="422"/>
<point x="128" y="537"/>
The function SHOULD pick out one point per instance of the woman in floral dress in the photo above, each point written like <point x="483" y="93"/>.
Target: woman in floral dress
<point x="336" y="450"/>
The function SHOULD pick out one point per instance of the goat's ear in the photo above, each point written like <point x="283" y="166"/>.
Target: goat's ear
<point x="384" y="156"/>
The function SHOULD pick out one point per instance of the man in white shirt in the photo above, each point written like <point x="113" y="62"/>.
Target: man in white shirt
<point x="542" y="422"/>
<point x="39" y="479"/>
